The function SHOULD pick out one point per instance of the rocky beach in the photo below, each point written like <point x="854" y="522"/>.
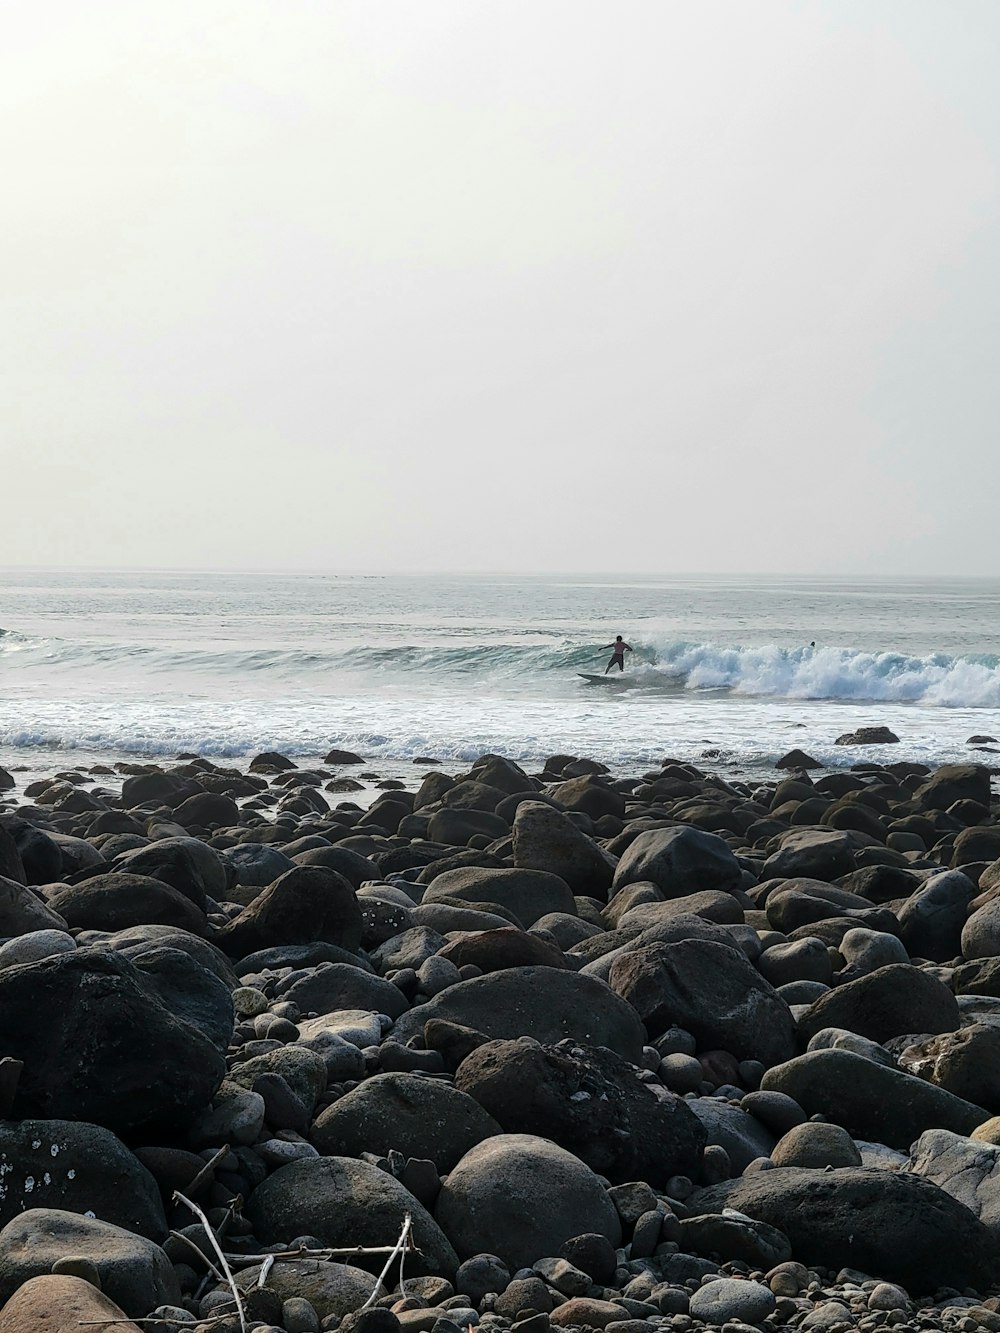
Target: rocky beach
<point x="506" y="1049"/>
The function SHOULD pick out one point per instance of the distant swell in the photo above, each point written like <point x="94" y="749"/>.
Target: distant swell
<point x="767" y="671"/>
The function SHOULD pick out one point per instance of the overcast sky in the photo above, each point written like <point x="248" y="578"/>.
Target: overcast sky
<point x="535" y="285"/>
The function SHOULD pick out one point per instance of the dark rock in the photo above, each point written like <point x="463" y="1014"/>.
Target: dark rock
<point x="541" y="1002"/>
<point x="255" y="864"/>
<point x="522" y="1198"/>
<point x="188" y="991"/>
<point x="344" y="1203"/>
<point x="981" y="932"/>
<point x="679" y="861"/>
<point x="116" y="900"/>
<point x="802" y="902"/>
<point x="133" y="1272"/>
<point x="11" y="865"/>
<point x="743" y="1137"/>
<point x="302" y="1069"/>
<point x="334" y="1290"/>
<point x="306" y="904"/>
<point x="815" y="1145"/>
<point x="335" y="986"/>
<point x="487" y="1272"/>
<point x="99" y="1045"/>
<point x="492" y="950"/>
<point x="417" y="1116"/>
<point x="545" y="839"/>
<point x="529" y="894"/>
<point x="77" y="1168"/>
<point x="810" y="853"/>
<point x="207" y="809"/>
<point x="952" y="783"/>
<point x="186" y="864"/>
<point x="873" y="1102"/>
<point x="589" y="794"/>
<point x="966" y="1063"/>
<point x="710" y="990"/>
<point x="356" y="869"/>
<point x="912" y="1232"/>
<point x="888" y="1002"/>
<point x="931" y="919"/>
<point x="270" y="762"/>
<point x="137" y="940"/>
<point x="981" y="977"/>
<point x="22" y="912"/>
<point x="454" y="828"/>
<point x="589" y="1101"/>
<point x="868" y="736"/>
<point x="797" y="759"/>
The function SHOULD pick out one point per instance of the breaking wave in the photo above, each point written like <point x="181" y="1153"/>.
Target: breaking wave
<point x="762" y="671"/>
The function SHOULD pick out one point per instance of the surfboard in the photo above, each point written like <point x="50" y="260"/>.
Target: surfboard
<point x="617" y="679"/>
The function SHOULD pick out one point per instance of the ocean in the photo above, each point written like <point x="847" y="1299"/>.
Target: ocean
<point x="111" y="665"/>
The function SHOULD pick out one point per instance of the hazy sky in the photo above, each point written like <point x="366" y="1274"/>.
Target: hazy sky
<point x="543" y="284"/>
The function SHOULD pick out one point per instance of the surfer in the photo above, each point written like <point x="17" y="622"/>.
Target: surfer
<point x="618" y="650"/>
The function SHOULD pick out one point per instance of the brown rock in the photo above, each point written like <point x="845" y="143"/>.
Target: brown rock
<point x="58" y="1304"/>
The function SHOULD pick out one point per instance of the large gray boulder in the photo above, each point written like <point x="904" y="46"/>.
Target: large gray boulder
<point x="810" y="853"/>
<point x="332" y="987"/>
<point x="99" y="1044"/>
<point x="22" y="911"/>
<point x="931" y="919"/>
<point x="889" y="1002"/>
<point x="981" y="932"/>
<point x="967" y="1170"/>
<point x="546" y="839"/>
<point x="589" y="1101"/>
<point x="76" y="1168"/>
<point x="302" y="905"/>
<point x="521" y="1197"/>
<point x="954" y="782"/>
<point x="679" y="861"/>
<point x="892" y="1225"/>
<point x="529" y="894"/>
<point x="343" y="1203"/>
<point x="966" y="1063"/>
<point x="712" y="991"/>
<point x="417" y="1116"/>
<point x="871" y="1101"/>
<point x="134" y="1272"/>
<point x="742" y="1135"/>
<point x="331" y="1289"/>
<point x="541" y="1002"/>
<point x="186" y="864"/>
<point x="116" y="900"/>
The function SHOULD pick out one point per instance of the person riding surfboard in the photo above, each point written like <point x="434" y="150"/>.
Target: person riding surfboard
<point x="618" y="650"/>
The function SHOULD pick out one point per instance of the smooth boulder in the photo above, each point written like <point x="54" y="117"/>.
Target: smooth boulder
<point x="890" y="1225"/>
<point x="521" y="1197"/>
<point x="679" y="861"/>
<point x="589" y="1101"/>
<point x="710" y="990"/>
<point x="343" y="1203"/>
<point x="541" y="1002"/>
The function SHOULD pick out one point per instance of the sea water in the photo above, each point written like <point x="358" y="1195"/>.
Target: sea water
<point x="111" y="665"/>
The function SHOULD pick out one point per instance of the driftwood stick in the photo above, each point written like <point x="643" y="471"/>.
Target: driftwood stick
<point x="221" y="1229"/>
<point x="152" y="1320"/>
<point x="178" y="1235"/>
<point x="397" y="1249"/>
<point x="344" y="1252"/>
<point x="222" y="1258"/>
<point x="195" y="1185"/>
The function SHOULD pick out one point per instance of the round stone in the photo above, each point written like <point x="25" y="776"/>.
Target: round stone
<point x="732" y="1298"/>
